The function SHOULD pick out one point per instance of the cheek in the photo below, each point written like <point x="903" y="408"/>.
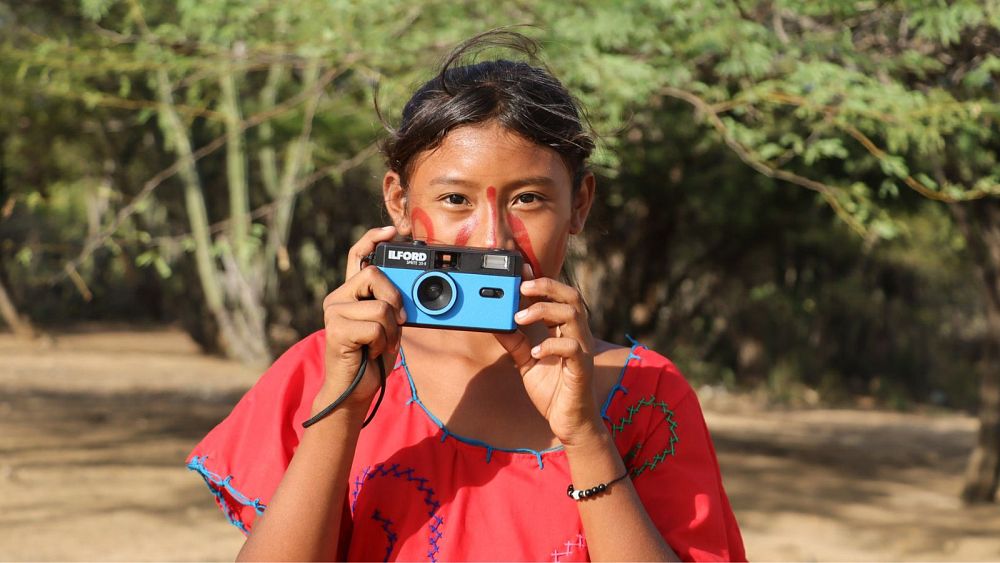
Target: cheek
<point x="523" y="241"/>
<point x="465" y="231"/>
<point x="421" y="218"/>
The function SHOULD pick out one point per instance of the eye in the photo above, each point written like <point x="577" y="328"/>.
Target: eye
<point x="456" y="199"/>
<point x="527" y="198"/>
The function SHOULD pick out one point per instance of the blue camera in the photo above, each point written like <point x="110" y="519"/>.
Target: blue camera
<point x="454" y="287"/>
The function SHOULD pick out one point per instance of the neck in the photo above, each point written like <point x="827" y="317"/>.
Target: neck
<point x="476" y="348"/>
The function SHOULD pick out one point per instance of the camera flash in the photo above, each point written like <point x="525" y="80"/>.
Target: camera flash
<point x="495" y="261"/>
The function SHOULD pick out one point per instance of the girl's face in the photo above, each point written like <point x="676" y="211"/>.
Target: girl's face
<point x="486" y="186"/>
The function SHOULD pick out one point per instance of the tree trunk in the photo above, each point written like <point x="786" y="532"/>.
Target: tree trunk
<point x="298" y="156"/>
<point x="980" y="224"/>
<point x="241" y="337"/>
<point x="236" y="176"/>
<point x="21" y="326"/>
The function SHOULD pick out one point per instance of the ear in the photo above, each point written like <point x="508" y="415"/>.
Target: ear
<point x="583" y="199"/>
<point x="394" y="197"/>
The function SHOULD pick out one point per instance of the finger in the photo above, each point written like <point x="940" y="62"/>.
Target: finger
<point x="370" y="283"/>
<point x="570" y="318"/>
<point x="374" y="310"/>
<point x="552" y="314"/>
<point x="519" y="348"/>
<point x="351" y="335"/>
<point x="365" y="246"/>
<point x="526" y="272"/>
<point x="575" y="358"/>
<point x="550" y="289"/>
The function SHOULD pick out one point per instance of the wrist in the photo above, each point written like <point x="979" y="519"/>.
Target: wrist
<point x="352" y="407"/>
<point x="594" y="460"/>
<point x="588" y="436"/>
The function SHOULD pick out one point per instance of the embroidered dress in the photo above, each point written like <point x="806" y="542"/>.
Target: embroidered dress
<point x="419" y="492"/>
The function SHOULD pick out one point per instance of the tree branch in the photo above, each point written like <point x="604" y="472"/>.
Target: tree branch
<point x="745" y="154"/>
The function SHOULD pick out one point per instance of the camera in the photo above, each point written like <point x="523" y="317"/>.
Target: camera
<point x="453" y="287"/>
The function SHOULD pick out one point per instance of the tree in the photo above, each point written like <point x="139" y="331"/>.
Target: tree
<point x="710" y="111"/>
<point x="853" y="101"/>
<point x="199" y="67"/>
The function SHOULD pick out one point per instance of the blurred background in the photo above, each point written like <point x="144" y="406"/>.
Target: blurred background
<point x="798" y="203"/>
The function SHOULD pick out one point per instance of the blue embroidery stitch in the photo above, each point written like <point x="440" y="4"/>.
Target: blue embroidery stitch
<point x="621" y="376"/>
<point x="358" y="481"/>
<point x="435" y="536"/>
<point x="217" y="485"/>
<point x="381" y="470"/>
<point x="389" y="534"/>
<point x="445" y="433"/>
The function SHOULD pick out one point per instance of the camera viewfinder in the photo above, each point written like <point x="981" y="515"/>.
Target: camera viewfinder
<point x="444" y="260"/>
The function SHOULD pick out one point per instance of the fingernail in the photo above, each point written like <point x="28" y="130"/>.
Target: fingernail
<point x="387" y="227"/>
<point x="536" y="351"/>
<point x="402" y="316"/>
<point x="528" y="284"/>
<point x="520" y="315"/>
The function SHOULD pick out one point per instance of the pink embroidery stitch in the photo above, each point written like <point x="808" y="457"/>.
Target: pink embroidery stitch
<point x="579" y="543"/>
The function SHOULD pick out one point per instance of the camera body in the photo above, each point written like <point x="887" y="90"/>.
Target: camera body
<point x="453" y="287"/>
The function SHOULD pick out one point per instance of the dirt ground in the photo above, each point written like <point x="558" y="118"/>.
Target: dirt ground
<point x="95" y="426"/>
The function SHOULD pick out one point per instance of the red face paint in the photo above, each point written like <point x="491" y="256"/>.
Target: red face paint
<point x="524" y="243"/>
<point x="468" y="227"/>
<point x="420" y="216"/>
<point x="491" y="234"/>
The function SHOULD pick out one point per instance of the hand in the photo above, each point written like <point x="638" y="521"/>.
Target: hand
<point x="366" y="310"/>
<point x="556" y="362"/>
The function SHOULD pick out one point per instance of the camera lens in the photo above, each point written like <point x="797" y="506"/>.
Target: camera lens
<point x="430" y="292"/>
<point x="435" y="293"/>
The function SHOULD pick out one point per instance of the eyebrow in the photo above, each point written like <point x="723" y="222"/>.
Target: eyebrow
<point x="527" y="181"/>
<point x="452" y="181"/>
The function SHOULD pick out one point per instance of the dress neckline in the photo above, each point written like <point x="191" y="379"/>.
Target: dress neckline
<point x="537" y="454"/>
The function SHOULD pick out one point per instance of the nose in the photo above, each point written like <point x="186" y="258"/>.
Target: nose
<point x="503" y="234"/>
<point x="498" y="229"/>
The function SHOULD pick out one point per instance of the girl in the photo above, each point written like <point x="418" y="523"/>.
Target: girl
<point x="542" y="444"/>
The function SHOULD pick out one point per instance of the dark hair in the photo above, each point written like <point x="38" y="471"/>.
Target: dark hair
<point x="523" y="98"/>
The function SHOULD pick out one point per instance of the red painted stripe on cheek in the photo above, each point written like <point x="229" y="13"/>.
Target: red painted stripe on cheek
<point x="491" y="235"/>
<point x="465" y="232"/>
<point x="420" y="216"/>
<point x="524" y="243"/>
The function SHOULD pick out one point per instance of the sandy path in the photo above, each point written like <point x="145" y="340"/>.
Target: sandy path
<point x="94" y="428"/>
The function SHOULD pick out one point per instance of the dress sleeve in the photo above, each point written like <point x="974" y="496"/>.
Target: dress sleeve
<point x="243" y="458"/>
<point x="675" y="471"/>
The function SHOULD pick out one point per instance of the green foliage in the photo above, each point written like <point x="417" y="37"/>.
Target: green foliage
<point x="714" y="117"/>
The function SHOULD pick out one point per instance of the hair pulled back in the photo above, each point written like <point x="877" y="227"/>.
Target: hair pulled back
<point x="525" y="99"/>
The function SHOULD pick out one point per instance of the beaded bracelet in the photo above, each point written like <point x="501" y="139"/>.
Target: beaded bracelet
<point x="595" y="490"/>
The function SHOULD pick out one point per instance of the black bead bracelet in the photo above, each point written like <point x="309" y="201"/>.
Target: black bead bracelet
<point x="593" y="491"/>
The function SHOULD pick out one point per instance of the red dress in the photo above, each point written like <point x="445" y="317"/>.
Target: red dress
<point x="419" y="492"/>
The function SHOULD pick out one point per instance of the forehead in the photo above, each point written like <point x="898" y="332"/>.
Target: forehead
<point x="489" y="154"/>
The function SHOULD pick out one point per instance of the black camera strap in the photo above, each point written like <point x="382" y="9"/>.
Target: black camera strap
<point x="354" y="384"/>
<point x="357" y="379"/>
